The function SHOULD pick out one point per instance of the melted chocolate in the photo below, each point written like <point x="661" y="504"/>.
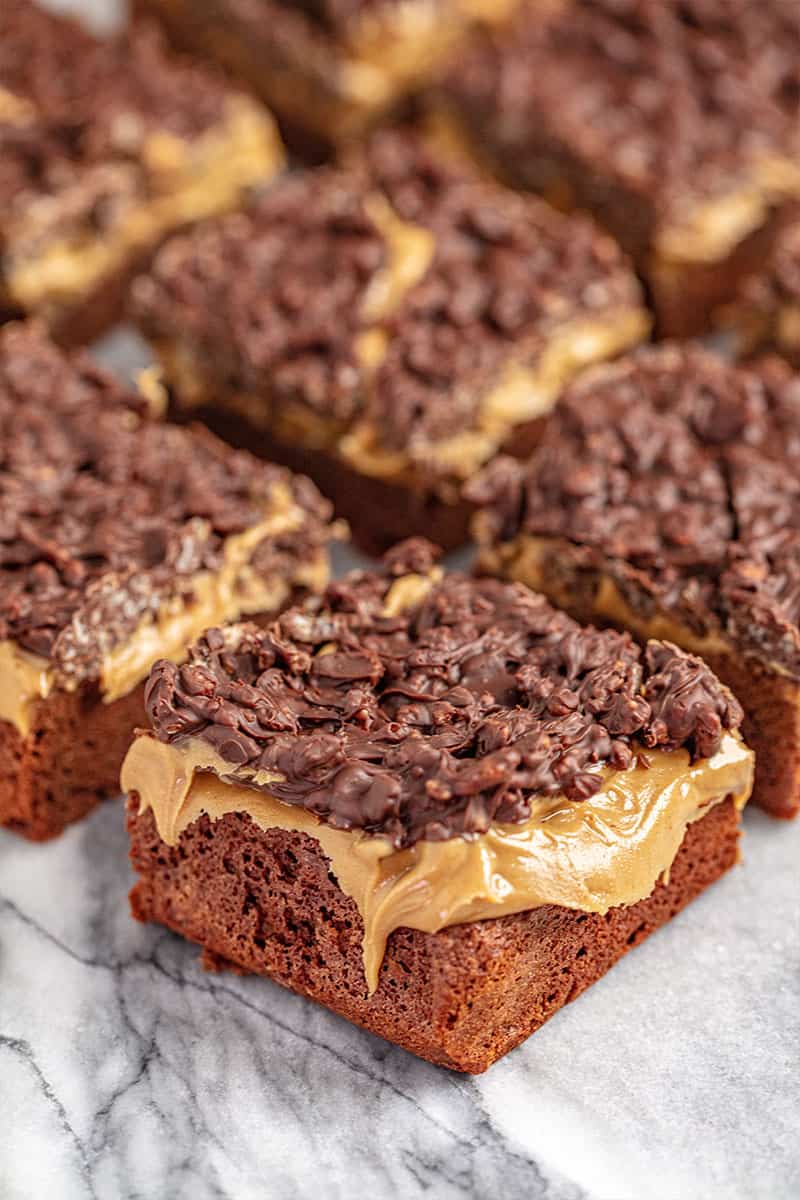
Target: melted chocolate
<point x="104" y="513"/>
<point x="676" y="474"/>
<point x="440" y="719"/>
<point x="273" y="298"/>
<point x="667" y="101"/>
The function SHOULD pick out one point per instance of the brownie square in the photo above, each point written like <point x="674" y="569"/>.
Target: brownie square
<point x="433" y="803"/>
<point x="664" y="498"/>
<point x="328" y="68"/>
<point x="121" y="538"/>
<point x="764" y="315"/>
<point x="676" y="122"/>
<point x="386" y="327"/>
<point x="106" y="146"/>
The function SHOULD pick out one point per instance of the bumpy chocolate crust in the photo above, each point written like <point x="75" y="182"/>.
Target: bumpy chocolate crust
<point x="80" y="153"/>
<point x="436" y="720"/>
<point x="776" y="283"/>
<point x="276" y="295"/>
<point x="669" y="100"/>
<point x="80" y="85"/>
<point x="105" y="512"/>
<point x="675" y="473"/>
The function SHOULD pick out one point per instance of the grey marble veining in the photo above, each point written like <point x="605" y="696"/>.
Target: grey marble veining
<point x="126" y="1071"/>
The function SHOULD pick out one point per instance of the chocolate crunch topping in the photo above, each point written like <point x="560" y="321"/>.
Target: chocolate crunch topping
<point x="105" y="512"/>
<point x="426" y="709"/>
<point x="675" y="473"/>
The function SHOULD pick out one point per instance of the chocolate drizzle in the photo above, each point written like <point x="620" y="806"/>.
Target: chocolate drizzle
<point x="676" y="474"/>
<point x="432" y="720"/>
<point x="274" y="300"/>
<point x="105" y="513"/>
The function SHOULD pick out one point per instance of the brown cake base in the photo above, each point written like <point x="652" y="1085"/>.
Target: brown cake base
<point x="686" y="298"/>
<point x="101" y="308"/>
<point x="264" y="902"/>
<point x="771" y="727"/>
<point x="68" y="763"/>
<point x="379" y="513"/>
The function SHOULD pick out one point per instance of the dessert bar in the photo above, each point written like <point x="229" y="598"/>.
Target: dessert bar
<point x="764" y="315"/>
<point x="664" y="498"/>
<point x="676" y="122"/>
<point x="435" y="804"/>
<point x="121" y="539"/>
<point x="328" y="68"/>
<point x="106" y="146"/>
<point x="386" y="327"/>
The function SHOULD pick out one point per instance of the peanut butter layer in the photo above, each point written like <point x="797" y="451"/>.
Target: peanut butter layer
<point x="607" y="850"/>
<point x="401" y="314"/>
<point x="329" y="68"/>
<point x="121" y="536"/>
<point x="24" y="679"/>
<point x="671" y="476"/>
<point x="765" y="313"/>
<point x="109" y="146"/>
<point x="424" y="706"/>
<point x="675" y="122"/>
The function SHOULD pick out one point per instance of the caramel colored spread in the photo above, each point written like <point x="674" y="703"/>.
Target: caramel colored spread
<point x="711" y="231"/>
<point x="392" y="49"/>
<point x="788" y="326"/>
<point x="410" y="250"/>
<point x="527" y="560"/>
<point x="24" y="679"/>
<point x="523" y="393"/>
<point x="14" y="109"/>
<point x="187" y="181"/>
<point x="235" y="590"/>
<point x="607" y="850"/>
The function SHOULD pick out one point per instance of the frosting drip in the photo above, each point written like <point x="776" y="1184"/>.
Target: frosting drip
<point x="608" y="850"/>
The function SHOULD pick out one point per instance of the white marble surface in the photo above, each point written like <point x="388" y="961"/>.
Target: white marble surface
<point x="126" y="1072"/>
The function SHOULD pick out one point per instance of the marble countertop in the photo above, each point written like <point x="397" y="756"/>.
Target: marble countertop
<point x="128" y="1072"/>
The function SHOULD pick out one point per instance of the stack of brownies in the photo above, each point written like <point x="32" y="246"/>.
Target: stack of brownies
<point x="440" y="803"/>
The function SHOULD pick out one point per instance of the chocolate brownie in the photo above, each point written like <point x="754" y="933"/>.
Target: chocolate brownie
<point x="424" y="799"/>
<point x="121" y="538"/>
<point x="664" y="498"/>
<point x="106" y="146"/>
<point x="328" y="68"/>
<point x="676" y="122"/>
<point x="387" y="327"/>
<point x="764" y="315"/>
